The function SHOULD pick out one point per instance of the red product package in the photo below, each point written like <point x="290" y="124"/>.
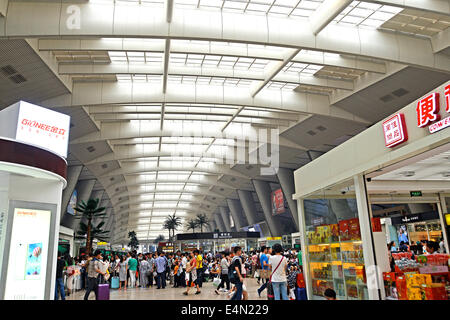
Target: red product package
<point x="343" y="230"/>
<point x="436" y="292"/>
<point x="401" y="288"/>
<point x="353" y="229"/>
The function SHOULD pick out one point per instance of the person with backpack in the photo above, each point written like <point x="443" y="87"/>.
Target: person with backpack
<point x="278" y="264"/>
<point x="234" y="273"/>
<point x="93" y="272"/>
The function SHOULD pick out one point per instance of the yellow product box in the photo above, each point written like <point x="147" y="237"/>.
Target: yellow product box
<point x="416" y="280"/>
<point x="414" y="293"/>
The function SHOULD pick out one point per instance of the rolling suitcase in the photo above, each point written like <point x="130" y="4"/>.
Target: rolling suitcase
<point x="103" y="292"/>
<point x="115" y="283"/>
<point x="300" y="294"/>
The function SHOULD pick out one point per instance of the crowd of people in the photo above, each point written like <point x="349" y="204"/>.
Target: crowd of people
<point x="227" y="270"/>
<point x="423" y="247"/>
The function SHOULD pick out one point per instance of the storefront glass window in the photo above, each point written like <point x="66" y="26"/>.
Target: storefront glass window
<point x="4" y="195"/>
<point x="334" y="246"/>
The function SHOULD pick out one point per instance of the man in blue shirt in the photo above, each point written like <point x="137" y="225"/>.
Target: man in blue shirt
<point x="264" y="259"/>
<point x="161" y="265"/>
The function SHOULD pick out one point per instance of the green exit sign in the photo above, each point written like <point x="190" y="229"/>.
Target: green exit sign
<point x="415" y="193"/>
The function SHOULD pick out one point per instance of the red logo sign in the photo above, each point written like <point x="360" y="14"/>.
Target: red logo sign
<point x="43" y="126"/>
<point x="427" y="109"/>
<point x="395" y="130"/>
<point x="447" y="97"/>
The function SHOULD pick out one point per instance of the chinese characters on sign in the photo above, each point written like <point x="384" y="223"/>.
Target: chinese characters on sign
<point x="43" y="128"/>
<point x="394" y="130"/>
<point x="222" y="235"/>
<point x="428" y="109"/>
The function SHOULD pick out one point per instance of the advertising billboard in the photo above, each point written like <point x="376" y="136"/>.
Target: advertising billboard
<point x="27" y="265"/>
<point x="43" y="128"/>
<point x="72" y="203"/>
<point x="278" y="205"/>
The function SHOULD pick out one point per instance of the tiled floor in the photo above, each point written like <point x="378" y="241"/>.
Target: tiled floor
<point x="170" y="293"/>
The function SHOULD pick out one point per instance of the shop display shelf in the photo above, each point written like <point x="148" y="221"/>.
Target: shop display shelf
<point x="322" y="279"/>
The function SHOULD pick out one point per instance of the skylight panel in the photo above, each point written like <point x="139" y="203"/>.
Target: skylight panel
<point x="366" y="14"/>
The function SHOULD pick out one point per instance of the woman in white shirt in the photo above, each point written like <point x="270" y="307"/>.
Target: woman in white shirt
<point x="278" y="265"/>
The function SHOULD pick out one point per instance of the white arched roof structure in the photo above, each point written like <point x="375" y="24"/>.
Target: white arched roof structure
<point x="172" y="85"/>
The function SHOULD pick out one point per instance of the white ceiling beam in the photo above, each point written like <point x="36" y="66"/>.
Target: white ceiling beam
<point x="139" y="69"/>
<point x="366" y="81"/>
<point x="3" y="7"/>
<point x="182" y="109"/>
<point x="404" y="186"/>
<point x="87" y="94"/>
<point x="52" y="64"/>
<point x="208" y="49"/>
<point x="23" y="20"/>
<point x="136" y="181"/>
<point x="433" y="6"/>
<point x="169" y="10"/>
<point x="142" y="168"/>
<point x="126" y="130"/>
<point x="441" y="40"/>
<point x="327" y="11"/>
<point x="272" y="73"/>
<point x="166" y="65"/>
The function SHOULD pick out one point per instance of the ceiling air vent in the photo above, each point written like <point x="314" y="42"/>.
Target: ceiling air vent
<point x="321" y="128"/>
<point x="233" y="179"/>
<point x="400" y="92"/>
<point x="221" y="189"/>
<point x="387" y="98"/>
<point x="112" y="179"/>
<point x="104" y="166"/>
<point x="17" y="78"/>
<point x="311" y="133"/>
<point x="90" y="149"/>
<point x="8" y="70"/>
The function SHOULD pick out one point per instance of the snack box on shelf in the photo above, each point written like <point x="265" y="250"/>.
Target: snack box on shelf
<point x="416" y="280"/>
<point x="334" y="232"/>
<point x="400" y="282"/>
<point x="343" y="230"/>
<point x="353" y="229"/>
<point x="414" y="294"/>
<point x="435" y="291"/>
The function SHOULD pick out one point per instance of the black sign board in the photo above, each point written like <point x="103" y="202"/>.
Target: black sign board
<point x="411" y="218"/>
<point x="217" y="235"/>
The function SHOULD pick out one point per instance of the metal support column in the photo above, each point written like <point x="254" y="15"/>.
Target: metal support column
<point x="263" y="191"/>
<point x="286" y="178"/>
